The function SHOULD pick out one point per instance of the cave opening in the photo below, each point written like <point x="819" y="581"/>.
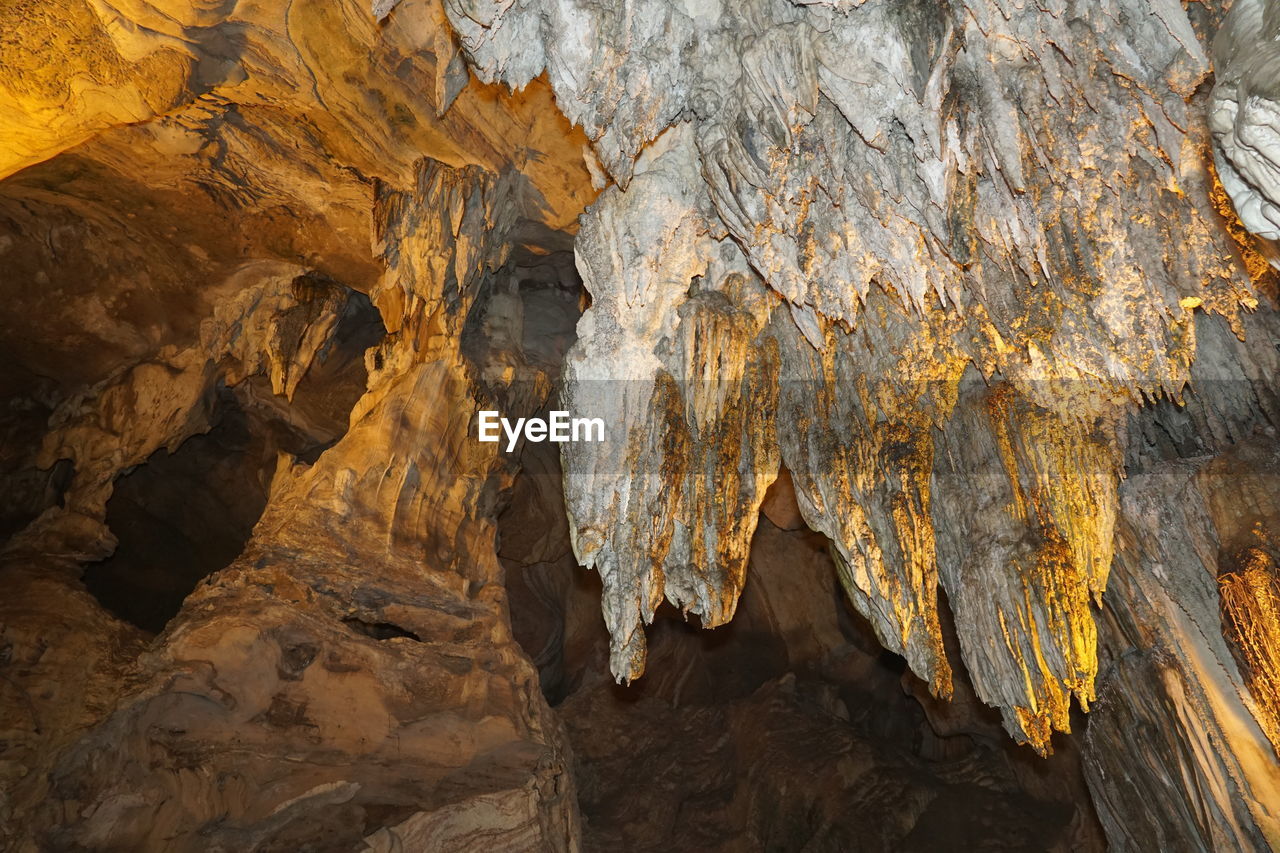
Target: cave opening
<point x="183" y="515"/>
<point x="179" y="517"/>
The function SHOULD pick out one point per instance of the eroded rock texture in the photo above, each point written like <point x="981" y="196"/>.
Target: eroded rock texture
<point x="1242" y="116"/>
<point x="935" y="348"/>
<point x="949" y="251"/>
<point x="232" y="183"/>
<point x="788" y="728"/>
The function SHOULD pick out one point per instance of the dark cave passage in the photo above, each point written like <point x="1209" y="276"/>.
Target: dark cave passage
<point x="179" y="518"/>
<point x="182" y="516"/>
<point x="791" y="726"/>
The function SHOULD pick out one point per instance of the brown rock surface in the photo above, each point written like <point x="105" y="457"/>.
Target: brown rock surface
<point x="938" y="377"/>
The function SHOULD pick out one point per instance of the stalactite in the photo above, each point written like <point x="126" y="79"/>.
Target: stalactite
<point x="991" y="283"/>
<point x="1251" y="621"/>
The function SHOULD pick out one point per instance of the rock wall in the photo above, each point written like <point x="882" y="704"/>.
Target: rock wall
<point x="989" y="283"/>
<point x="352" y="673"/>
<point x="206" y="213"/>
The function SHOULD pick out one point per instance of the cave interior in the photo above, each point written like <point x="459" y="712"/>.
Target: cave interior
<point x="938" y="356"/>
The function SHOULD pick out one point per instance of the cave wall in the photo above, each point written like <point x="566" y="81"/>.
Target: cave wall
<point x="195" y="199"/>
<point x="990" y="282"/>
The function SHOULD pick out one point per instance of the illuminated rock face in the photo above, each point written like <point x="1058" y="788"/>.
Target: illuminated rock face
<point x="946" y="253"/>
<point x="964" y="271"/>
<point x="331" y="683"/>
<point x="899" y="194"/>
<point x="350" y="679"/>
<point x="1242" y="114"/>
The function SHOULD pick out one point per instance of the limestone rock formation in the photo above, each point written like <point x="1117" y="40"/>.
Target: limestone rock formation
<point x="1241" y="115"/>
<point x="927" y="192"/>
<point x="934" y="350"/>
<point x="994" y="229"/>
<point x="332" y="657"/>
<point x="200" y="265"/>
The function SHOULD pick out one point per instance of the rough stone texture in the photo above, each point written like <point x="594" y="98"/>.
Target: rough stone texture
<point x="352" y="669"/>
<point x="967" y="242"/>
<point x="693" y="416"/>
<point x="788" y="728"/>
<point x="964" y="271"/>
<point x="1175" y="712"/>
<point x="290" y="115"/>
<point x="224" y="177"/>
<point x="956" y="186"/>
<point x="63" y="656"/>
<point x="1242" y="115"/>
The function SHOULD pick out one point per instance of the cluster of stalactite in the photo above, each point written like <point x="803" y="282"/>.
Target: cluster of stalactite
<point x="1251" y="619"/>
<point x="885" y="204"/>
<point x="947" y="264"/>
<point x="964" y="271"/>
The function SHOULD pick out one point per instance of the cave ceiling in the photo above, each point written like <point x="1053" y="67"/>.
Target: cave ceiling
<point x="936" y="336"/>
